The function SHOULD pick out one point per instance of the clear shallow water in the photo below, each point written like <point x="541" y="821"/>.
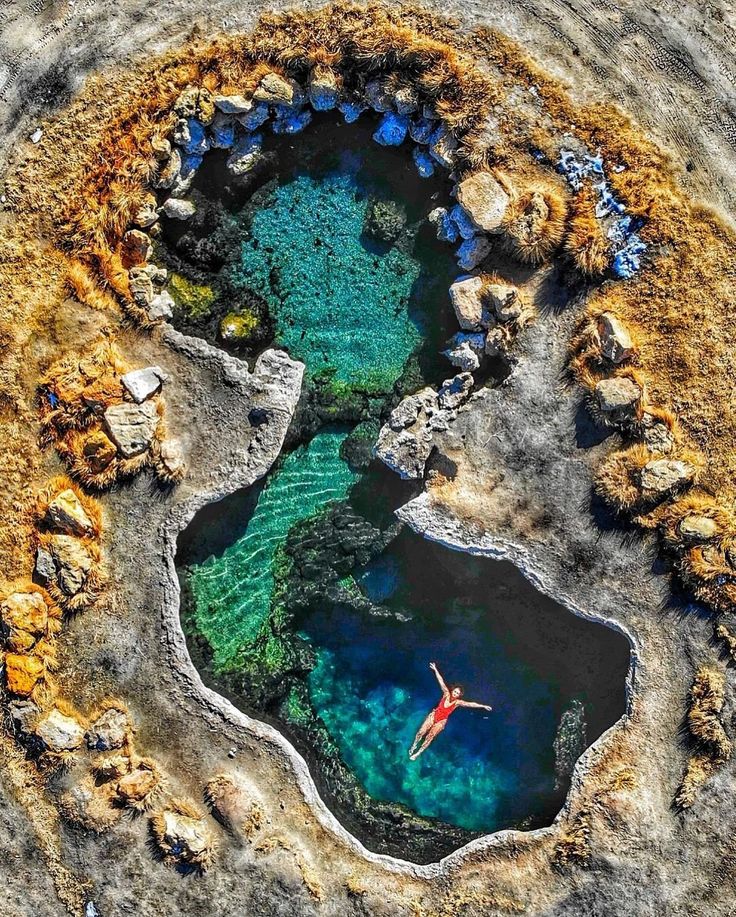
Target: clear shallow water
<point x="233" y="590"/>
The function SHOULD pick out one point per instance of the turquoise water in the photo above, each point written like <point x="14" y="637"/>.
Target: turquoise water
<point x="348" y="304"/>
<point x="233" y="590"/>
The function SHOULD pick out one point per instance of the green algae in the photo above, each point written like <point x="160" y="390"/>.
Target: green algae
<point x="194" y="299"/>
<point x="239" y="326"/>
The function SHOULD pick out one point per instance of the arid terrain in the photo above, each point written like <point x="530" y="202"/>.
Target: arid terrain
<point x="213" y="812"/>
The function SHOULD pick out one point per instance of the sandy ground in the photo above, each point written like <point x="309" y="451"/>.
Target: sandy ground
<point x="671" y="68"/>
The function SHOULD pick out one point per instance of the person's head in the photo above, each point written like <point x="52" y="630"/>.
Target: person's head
<point x="456" y="692"/>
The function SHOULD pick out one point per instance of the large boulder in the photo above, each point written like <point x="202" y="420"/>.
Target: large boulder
<point x="617" y="395"/>
<point x="484" y="200"/>
<point x="179" y="209"/>
<point x="109" y="730"/>
<point x="182" y="838"/>
<point x="136" y="247"/>
<point x="73" y="562"/>
<point x="142" y="383"/>
<point x="466" y="351"/>
<point x="473" y="252"/>
<point x="66" y="514"/>
<point x="59" y="732"/>
<point x="161" y="306"/>
<point x="24" y="617"/>
<point x="132" y="426"/>
<point x="233" y="104"/>
<point x="278" y="90"/>
<point x="22" y="673"/>
<point x="467" y="298"/>
<point x="504" y="300"/>
<point x="616" y="343"/>
<point x="661" y="477"/>
<point x="696" y="528"/>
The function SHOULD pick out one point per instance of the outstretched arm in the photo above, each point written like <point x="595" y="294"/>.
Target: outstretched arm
<point x="470" y="703"/>
<point x="440" y="679"/>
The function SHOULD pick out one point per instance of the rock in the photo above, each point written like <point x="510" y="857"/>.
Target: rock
<point x="423" y="161"/>
<point x="617" y="394"/>
<point x="233" y="105"/>
<point x="466" y="228"/>
<point x="466" y="350"/>
<point x="484" y="200"/>
<point x="161" y="306"/>
<point x="443" y="147"/>
<point x="161" y="149"/>
<point x="24" y="617"/>
<point x="73" y="562"/>
<point x="189" y="133"/>
<point x="246" y="154"/>
<point x="421" y="129"/>
<point x="132" y="426"/>
<point x="234" y="804"/>
<point x="323" y="89"/>
<point x="189" y="164"/>
<point x="467" y="298"/>
<point x="616" y="343"/>
<point x="658" y="437"/>
<point x="290" y="120"/>
<point x="147" y="213"/>
<point x="23" y="673"/>
<point x="498" y="341"/>
<point x="172" y="457"/>
<point x="444" y="225"/>
<point x="142" y="383"/>
<point x="406" y="100"/>
<point x="406" y="441"/>
<point x="698" y="528"/>
<point x="663" y="476"/>
<point x="222" y="131"/>
<point x="196" y="102"/>
<point x="378" y="96"/>
<point x="59" y="732"/>
<point x="169" y="171"/>
<point x="182" y="838"/>
<point x="472" y="252"/>
<point x="136" y="247"/>
<point x="98" y="451"/>
<point x="112" y="767"/>
<point x="23" y="715"/>
<point x="178" y="209"/>
<point x="66" y="514"/>
<point x="505" y="301"/>
<point x="141" y="285"/>
<point x="455" y="392"/>
<point x="392" y="129"/>
<point x="45" y="567"/>
<point x="137" y="786"/>
<point x="253" y="119"/>
<point x="108" y="731"/>
<point x="278" y="90"/>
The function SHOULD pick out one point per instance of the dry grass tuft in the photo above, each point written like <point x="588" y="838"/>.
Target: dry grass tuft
<point x="573" y="847"/>
<point x="535" y="222"/>
<point x="181" y="837"/>
<point x="273" y="842"/>
<point x="586" y="244"/>
<point x="713" y="746"/>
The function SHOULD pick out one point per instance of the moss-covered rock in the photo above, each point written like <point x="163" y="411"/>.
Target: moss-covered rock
<point x="238" y="327"/>
<point x="193" y="299"/>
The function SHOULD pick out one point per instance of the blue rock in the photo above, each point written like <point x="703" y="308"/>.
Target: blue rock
<point x="322" y="99"/>
<point x="444" y="225"/>
<point x="351" y="111"/>
<point x="423" y="162"/>
<point x="222" y="131"/>
<point x="289" y="121"/>
<point x="420" y="129"/>
<point x="190" y="163"/>
<point x="465" y="226"/>
<point x="257" y="116"/>
<point x="628" y="260"/>
<point x="198" y="142"/>
<point x="392" y="129"/>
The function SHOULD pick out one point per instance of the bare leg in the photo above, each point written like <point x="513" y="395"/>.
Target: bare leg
<point x="423" y="730"/>
<point x="429" y="738"/>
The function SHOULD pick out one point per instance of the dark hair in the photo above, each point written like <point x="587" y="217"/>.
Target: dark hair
<point x="460" y="687"/>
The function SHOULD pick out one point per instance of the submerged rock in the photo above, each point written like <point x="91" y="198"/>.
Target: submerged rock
<point x="132" y="426"/>
<point x="484" y="200"/>
<point x="570" y="742"/>
<point x="384" y="220"/>
<point x="444" y="225"/>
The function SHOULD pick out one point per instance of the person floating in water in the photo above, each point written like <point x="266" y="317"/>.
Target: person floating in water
<point x="437" y="719"/>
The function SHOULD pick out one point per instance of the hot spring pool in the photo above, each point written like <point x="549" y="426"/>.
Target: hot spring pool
<point x="304" y="602"/>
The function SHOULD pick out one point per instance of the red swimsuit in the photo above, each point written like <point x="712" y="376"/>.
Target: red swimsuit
<point x="442" y="712"/>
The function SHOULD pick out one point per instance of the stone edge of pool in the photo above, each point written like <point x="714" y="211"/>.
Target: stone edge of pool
<point x="444" y="529"/>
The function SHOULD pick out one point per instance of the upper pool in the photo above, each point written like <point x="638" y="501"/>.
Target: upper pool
<point x="303" y="601"/>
